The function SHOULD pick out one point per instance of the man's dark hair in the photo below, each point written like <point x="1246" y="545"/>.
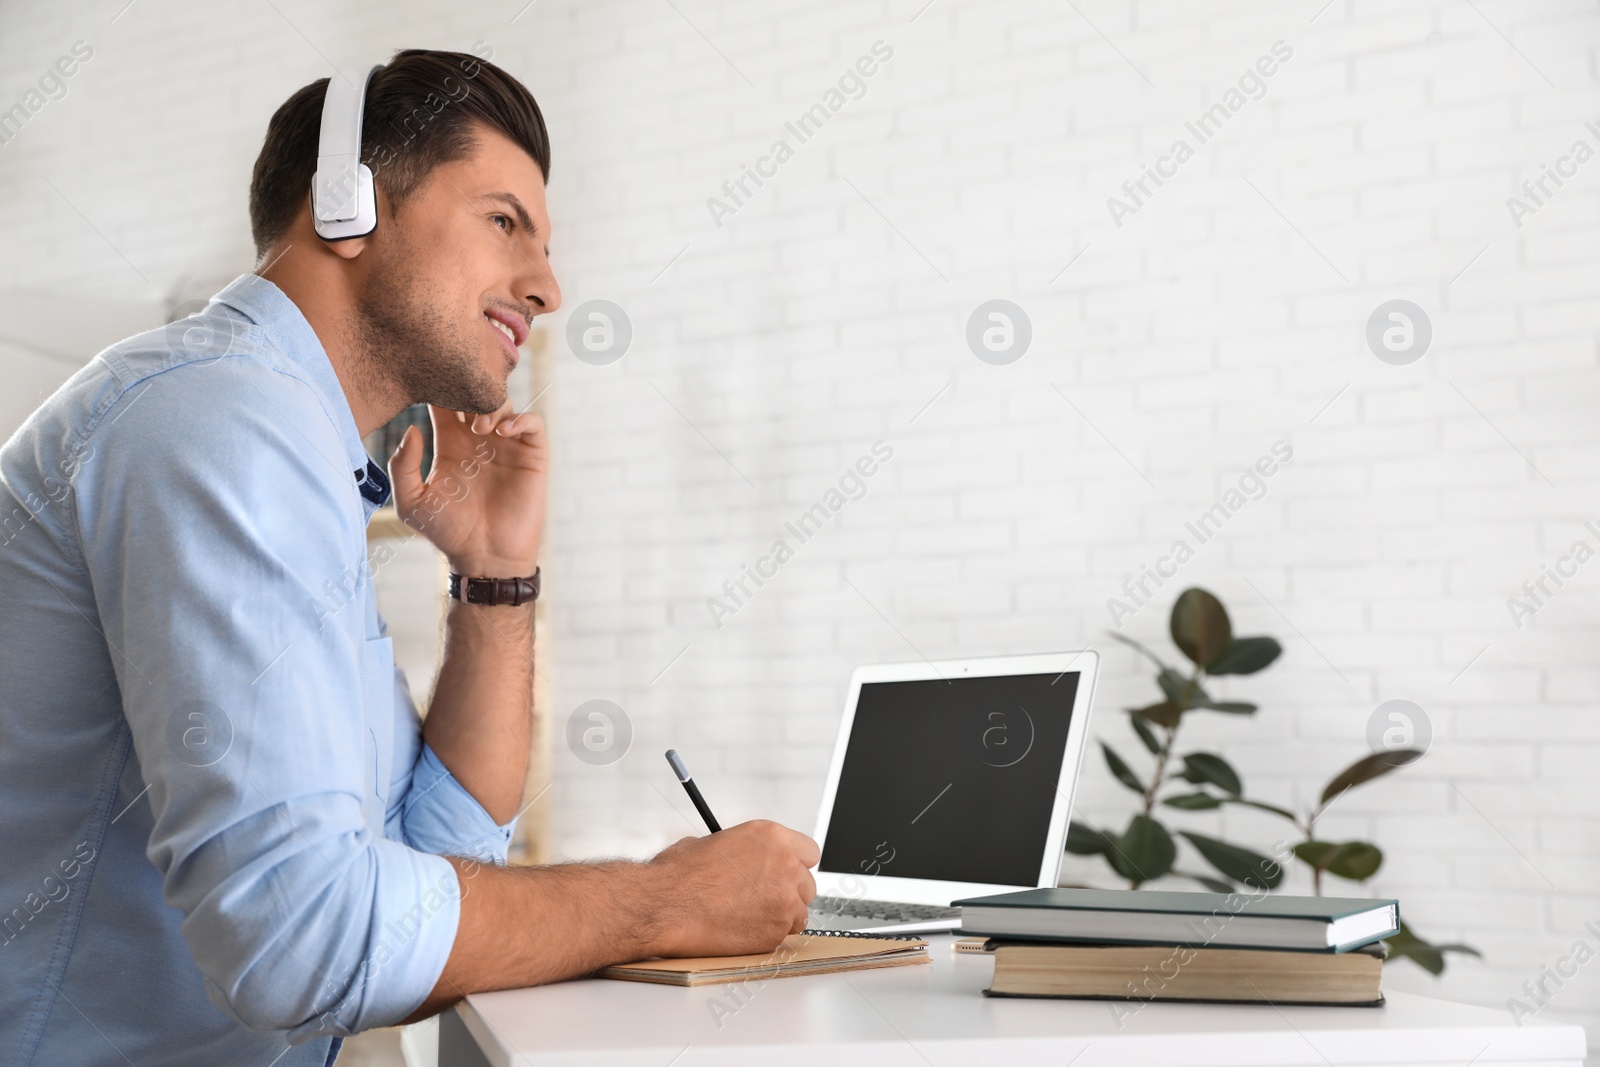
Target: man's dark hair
<point x="421" y="111"/>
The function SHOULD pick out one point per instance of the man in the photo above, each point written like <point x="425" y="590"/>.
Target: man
<point x="227" y="837"/>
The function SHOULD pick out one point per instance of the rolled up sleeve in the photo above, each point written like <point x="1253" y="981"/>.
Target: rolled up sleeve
<point x="440" y="816"/>
<point x="222" y="520"/>
<point x="429" y="809"/>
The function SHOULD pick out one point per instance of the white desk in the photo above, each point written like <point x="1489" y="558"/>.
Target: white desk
<point x="936" y="1016"/>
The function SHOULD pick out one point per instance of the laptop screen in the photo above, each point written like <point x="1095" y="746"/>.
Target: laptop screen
<point x="951" y="780"/>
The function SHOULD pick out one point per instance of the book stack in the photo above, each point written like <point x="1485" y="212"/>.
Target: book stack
<point x="1219" y="947"/>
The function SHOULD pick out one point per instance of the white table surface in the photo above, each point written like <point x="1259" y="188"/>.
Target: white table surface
<point x="935" y="1015"/>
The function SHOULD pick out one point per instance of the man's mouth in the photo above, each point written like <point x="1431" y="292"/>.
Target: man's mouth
<point x="503" y="328"/>
<point x="509" y="323"/>
<point x="512" y="328"/>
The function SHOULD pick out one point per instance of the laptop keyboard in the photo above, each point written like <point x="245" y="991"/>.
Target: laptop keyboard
<point x="886" y="910"/>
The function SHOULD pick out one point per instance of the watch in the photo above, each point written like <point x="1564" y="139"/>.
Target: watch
<point x="492" y="591"/>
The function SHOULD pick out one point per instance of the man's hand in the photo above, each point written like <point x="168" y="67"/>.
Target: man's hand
<point x="483" y="507"/>
<point x="735" y="892"/>
<point x="483" y="504"/>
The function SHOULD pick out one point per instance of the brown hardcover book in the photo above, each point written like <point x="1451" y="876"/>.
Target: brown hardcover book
<point x="810" y="952"/>
<point x="1157" y="972"/>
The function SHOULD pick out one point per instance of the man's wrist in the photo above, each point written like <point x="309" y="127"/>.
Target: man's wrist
<point x="477" y="589"/>
<point x="491" y="567"/>
<point x="655" y="936"/>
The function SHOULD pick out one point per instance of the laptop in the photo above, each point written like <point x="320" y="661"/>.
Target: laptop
<point x="949" y="780"/>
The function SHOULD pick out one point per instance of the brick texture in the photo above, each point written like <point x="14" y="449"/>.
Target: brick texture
<point x="1172" y="345"/>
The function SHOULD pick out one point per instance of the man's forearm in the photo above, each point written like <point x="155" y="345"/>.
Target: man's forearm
<point x="523" y="926"/>
<point x="732" y="893"/>
<point x="479" y="722"/>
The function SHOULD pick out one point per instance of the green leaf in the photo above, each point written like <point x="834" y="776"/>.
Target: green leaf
<point x="1136" y="646"/>
<point x="1193" y="801"/>
<point x="1180" y="690"/>
<point x="1246" y="655"/>
<point x="1203" y="768"/>
<point x="1407" y="945"/>
<point x="1200" y="626"/>
<point x="1216" y="885"/>
<point x="1145" y="852"/>
<point x="1147" y="735"/>
<point x="1421" y="953"/>
<point x="1355" y="860"/>
<point x="1121" y="770"/>
<point x="1184" y="693"/>
<point x="1263" y="806"/>
<point x="1313" y="852"/>
<point x="1239" y="864"/>
<point x="1165" y="714"/>
<point x="1366" y="769"/>
<point x="1085" y="840"/>
<point x="1456" y="946"/>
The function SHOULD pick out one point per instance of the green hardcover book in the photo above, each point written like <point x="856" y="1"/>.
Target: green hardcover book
<point x="1197" y="920"/>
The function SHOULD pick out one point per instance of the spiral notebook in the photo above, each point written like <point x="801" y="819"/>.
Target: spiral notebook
<point x="808" y="952"/>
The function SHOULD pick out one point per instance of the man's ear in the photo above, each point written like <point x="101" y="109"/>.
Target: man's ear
<point x="349" y="248"/>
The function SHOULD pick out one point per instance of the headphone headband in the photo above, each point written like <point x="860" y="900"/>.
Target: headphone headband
<point x="342" y="201"/>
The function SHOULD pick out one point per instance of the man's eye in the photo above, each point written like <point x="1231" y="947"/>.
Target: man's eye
<point x="498" y="219"/>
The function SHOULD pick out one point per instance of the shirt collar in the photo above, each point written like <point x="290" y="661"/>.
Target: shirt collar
<point x="264" y="304"/>
<point x="374" y="484"/>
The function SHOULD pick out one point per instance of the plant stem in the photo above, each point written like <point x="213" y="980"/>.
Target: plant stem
<point x="1166" y="749"/>
<point x="1311" y="835"/>
<point x="1161" y="770"/>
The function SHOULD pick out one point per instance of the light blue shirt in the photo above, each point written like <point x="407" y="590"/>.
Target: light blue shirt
<point x="220" y="830"/>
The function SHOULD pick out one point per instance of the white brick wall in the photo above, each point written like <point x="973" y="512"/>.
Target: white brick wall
<point x="1228" y="313"/>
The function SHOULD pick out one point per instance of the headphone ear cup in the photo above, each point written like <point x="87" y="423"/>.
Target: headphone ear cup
<point x="366" y="204"/>
<point x="366" y="201"/>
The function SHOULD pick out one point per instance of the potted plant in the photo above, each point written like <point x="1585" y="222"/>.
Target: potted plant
<point x="1182" y="781"/>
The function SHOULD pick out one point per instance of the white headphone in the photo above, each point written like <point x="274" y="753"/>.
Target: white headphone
<point x="342" y="200"/>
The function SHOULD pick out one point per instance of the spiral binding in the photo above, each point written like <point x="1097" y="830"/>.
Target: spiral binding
<point x="859" y="933"/>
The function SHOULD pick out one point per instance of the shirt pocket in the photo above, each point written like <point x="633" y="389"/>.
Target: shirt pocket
<point x="378" y="698"/>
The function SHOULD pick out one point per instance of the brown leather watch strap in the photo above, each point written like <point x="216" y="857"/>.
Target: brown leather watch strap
<point x="493" y="591"/>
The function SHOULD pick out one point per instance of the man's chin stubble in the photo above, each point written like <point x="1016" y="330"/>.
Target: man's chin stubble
<point x="419" y="359"/>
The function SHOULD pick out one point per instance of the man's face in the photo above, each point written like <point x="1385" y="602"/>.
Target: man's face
<point x="467" y="252"/>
